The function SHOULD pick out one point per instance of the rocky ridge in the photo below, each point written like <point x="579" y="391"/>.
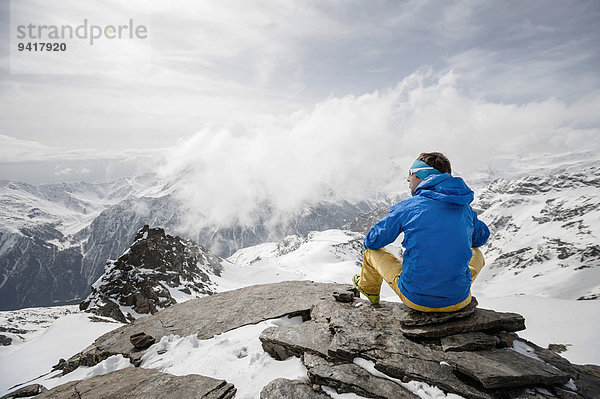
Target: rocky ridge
<point x="348" y="345"/>
<point x="156" y="271"/>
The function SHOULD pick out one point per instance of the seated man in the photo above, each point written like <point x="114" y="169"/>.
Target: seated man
<point x="441" y="239"/>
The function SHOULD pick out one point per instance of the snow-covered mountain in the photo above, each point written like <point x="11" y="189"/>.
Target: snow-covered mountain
<point x="545" y="233"/>
<point x="55" y="239"/>
<point x="158" y="270"/>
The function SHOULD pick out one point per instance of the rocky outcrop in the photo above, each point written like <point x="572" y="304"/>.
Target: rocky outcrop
<point x="135" y="383"/>
<point x="483" y="358"/>
<point x="340" y="332"/>
<point x="143" y="279"/>
<point x="284" y="388"/>
<point x="348" y="377"/>
<point x="26" y="391"/>
<point x="212" y="315"/>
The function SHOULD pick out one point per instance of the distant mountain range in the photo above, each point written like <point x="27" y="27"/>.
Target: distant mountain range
<point x="55" y="240"/>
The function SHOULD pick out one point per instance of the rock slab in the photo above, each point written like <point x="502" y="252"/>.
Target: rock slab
<point x="136" y="383"/>
<point x="351" y="378"/>
<point x="211" y="315"/>
<point x="27" y="391"/>
<point x="480" y="320"/>
<point x="473" y="341"/>
<point x="413" y="318"/>
<point x="284" y="388"/>
<point x="142" y="340"/>
<point x="505" y="368"/>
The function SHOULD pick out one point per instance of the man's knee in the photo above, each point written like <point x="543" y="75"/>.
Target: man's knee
<point x="478" y="258"/>
<point x="477" y="262"/>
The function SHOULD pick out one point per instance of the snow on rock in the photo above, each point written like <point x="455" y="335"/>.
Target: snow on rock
<point x="216" y="336"/>
<point x="158" y="270"/>
<point x="236" y="356"/>
<point x="66" y="336"/>
<point x="18" y="327"/>
<point x="545" y="234"/>
<point x="134" y="383"/>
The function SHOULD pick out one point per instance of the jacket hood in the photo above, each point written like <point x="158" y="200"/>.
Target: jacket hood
<point x="446" y="188"/>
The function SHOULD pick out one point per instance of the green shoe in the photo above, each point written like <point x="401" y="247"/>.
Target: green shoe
<point x="373" y="298"/>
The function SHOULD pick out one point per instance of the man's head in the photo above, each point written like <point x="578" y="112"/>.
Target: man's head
<point x="426" y="164"/>
<point x="436" y="160"/>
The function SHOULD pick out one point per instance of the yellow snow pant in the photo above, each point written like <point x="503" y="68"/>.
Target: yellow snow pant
<point x="381" y="264"/>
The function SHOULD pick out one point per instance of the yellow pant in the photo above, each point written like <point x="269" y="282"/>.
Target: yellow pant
<point x="381" y="264"/>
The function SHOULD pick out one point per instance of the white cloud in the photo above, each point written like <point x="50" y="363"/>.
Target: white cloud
<point x="357" y="145"/>
<point x="66" y="171"/>
<point x="14" y="150"/>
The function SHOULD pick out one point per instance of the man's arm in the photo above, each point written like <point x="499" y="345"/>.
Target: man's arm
<point x="481" y="233"/>
<point x="384" y="232"/>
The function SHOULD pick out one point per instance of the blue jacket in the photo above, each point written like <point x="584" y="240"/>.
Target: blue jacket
<point x="439" y="227"/>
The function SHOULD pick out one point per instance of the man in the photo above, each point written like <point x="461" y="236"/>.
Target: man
<point x="441" y="239"/>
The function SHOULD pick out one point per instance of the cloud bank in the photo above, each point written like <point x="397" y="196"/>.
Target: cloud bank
<point x="355" y="146"/>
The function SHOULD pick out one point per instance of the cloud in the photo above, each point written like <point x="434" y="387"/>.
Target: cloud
<point x="62" y="171"/>
<point x="214" y="62"/>
<point x="354" y="146"/>
<point x="14" y="150"/>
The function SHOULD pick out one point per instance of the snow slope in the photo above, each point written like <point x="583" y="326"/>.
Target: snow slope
<point x="66" y="336"/>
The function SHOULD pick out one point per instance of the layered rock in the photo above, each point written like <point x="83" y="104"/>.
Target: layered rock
<point x="150" y="274"/>
<point x="339" y="340"/>
<point x="210" y="315"/>
<point x="135" y="383"/>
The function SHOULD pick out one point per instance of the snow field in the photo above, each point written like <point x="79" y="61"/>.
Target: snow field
<point x="67" y="336"/>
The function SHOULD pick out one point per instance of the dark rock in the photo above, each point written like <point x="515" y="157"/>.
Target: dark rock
<point x="374" y="333"/>
<point x="473" y="341"/>
<point x="480" y="320"/>
<point x="557" y="348"/>
<point x="142" y="276"/>
<point x="283" y="342"/>
<point x="345" y="296"/>
<point x="348" y="377"/>
<point x="13" y="330"/>
<point x="135" y="383"/>
<point x="414" y="318"/>
<point x="88" y="359"/>
<point x="504" y="368"/>
<point x="586" y="377"/>
<point x="106" y="308"/>
<point x="29" y="390"/>
<point x="506" y="339"/>
<point x="284" y="388"/>
<point x="5" y="341"/>
<point x="427" y="367"/>
<point x="142" y="340"/>
<point x="60" y="365"/>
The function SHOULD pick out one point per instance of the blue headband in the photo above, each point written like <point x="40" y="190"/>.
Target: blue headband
<point x="425" y="170"/>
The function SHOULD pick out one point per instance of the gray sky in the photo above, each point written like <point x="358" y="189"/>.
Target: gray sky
<point x="322" y="90"/>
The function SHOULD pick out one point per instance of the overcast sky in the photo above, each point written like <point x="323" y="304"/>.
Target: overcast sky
<point x="333" y="93"/>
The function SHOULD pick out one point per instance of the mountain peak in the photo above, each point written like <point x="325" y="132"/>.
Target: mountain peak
<point x="158" y="270"/>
